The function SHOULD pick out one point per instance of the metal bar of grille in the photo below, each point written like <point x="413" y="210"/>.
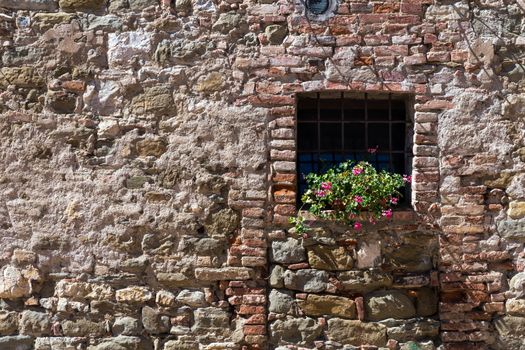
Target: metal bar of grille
<point x="366" y="121"/>
<point x="342" y="125"/>
<point x="318" y="133"/>
<point x="391" y="165"/>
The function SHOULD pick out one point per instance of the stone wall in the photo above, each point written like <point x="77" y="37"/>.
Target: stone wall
<point x="148" y="157"/>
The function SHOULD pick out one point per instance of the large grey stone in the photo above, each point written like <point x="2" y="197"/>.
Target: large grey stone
<point x="192" y="298"/>
<point x="357" y="333"/>
<point x="82" y="5"/>
<point x="307" y="280"/>
<point x="281" y="301"/>
<point x="226" y="22"/>
<point x="223" y="222"/>
<point x="35" y="323"/>
<point x="123" y="343"/>
<point x="157" y="100"/>
<point x="516" y="188"/>
<point x="32" y="5"/>
<point x="225" y="273"/>
<point x="276" y="33"/>
<point x="512" y="229"/>
<point x="364" y="281"/>
<point x="276" y="276"/>
<point x="8" y="322"/>
<point x="203" y="246"/>
<point x="412" y="345"/>
<point x="510" y="330"/>
<point x="16" y="283"/>
<point x="211" y="319"/>
<point x="330" y="258"/>
<point x="515" y="307"/>
<point x="413" y="329"/>
<point x="328" y="305"/>
<point x="62" y="343"/>
<point x="154" y="322"/>
<point x="517" y="284"/>
<point x="16" y="342"/>
<point x="108" y="23"/>
<point x="426" y="302"/>
<point x="287" y="252"/>
<point x="181" y="345"/>
<point x="139" y="5"/>
<point x="123" y="48"/>
<point x="295" y="331"/>
<point x="83" y="328"/>
<point x="126" y="326"/>
<point x="381" y="305"/>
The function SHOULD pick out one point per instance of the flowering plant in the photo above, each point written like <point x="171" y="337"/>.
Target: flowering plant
<point x="351" y="192"/>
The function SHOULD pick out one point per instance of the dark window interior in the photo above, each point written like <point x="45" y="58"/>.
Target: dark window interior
<point x="334" y="128"/>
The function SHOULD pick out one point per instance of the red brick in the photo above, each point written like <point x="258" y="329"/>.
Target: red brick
<point x="342" y="24"/>
<point x="255" y="329"/>
<point x="298" y="266"/>
<point x="284" y="196"/>
<point x="271" y="100"/>
<point x="256" y="319"/>
<point x="251" y="310"/>
<point x="386" y="8"/>
<point x="347" y="40"/>
<point x="434" y="56"/>
<point x="254" y="299"/>
<point x="411" y="7"/>
<point x="284" y="209"/>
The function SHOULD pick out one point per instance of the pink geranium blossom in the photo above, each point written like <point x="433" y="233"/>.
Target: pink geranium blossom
<point x="326" y="186"/>
<point x="407" y="178"/>
<point x="357" y="170"/>
<point x="358" y="199"/>
<point x="320" y="193"/>
<point x="387" y="213"/>
<point x="394" y="200"/>
<point x="357" y="225"/>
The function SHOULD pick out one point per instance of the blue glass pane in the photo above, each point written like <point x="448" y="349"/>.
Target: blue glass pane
<point x="305" y="157"/>
<point x="317" y="6"/>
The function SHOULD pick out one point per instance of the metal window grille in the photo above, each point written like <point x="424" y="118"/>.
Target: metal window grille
<point x="334" y="128"/>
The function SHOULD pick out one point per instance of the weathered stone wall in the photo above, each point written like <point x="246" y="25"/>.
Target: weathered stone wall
<point x="148" y="157"/>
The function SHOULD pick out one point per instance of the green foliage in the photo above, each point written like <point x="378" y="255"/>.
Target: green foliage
<point x="349" y="192"/>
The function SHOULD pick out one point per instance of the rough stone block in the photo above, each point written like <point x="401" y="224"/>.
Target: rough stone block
<point x="357" y="333"/>
<point x="328" y="305"/>
<point x="388" y="304"/>
<point x="225" y="273"/>
<point x="296" y="331"/>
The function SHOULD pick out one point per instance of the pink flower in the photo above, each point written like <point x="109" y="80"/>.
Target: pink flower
<point x="373" y="150"/>
<point x="394" y="200"/>
<point x="387" y="213"/>
<point x="358" y="199"/>
<point x="326" y="186"/>
<point x="357" y="170"/>
<point x="407" y="178"/>
<point x="357" y="225"/>
<point x="320" y="193"/>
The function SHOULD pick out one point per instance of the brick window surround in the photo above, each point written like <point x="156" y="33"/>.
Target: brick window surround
<point x="283" y="148"/>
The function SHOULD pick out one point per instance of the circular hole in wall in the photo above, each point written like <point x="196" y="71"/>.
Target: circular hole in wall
<point x="318" y="7"/>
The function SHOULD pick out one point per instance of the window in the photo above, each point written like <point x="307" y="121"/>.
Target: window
<point x="317" y="7"/>
<point x="335" y="127"/>
<point x="319" y="10"/>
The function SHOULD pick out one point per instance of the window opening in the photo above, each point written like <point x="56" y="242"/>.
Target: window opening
<point x="335" y="127"/>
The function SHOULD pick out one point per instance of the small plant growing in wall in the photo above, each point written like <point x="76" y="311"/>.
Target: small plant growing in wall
<point x="350" y="193"/>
